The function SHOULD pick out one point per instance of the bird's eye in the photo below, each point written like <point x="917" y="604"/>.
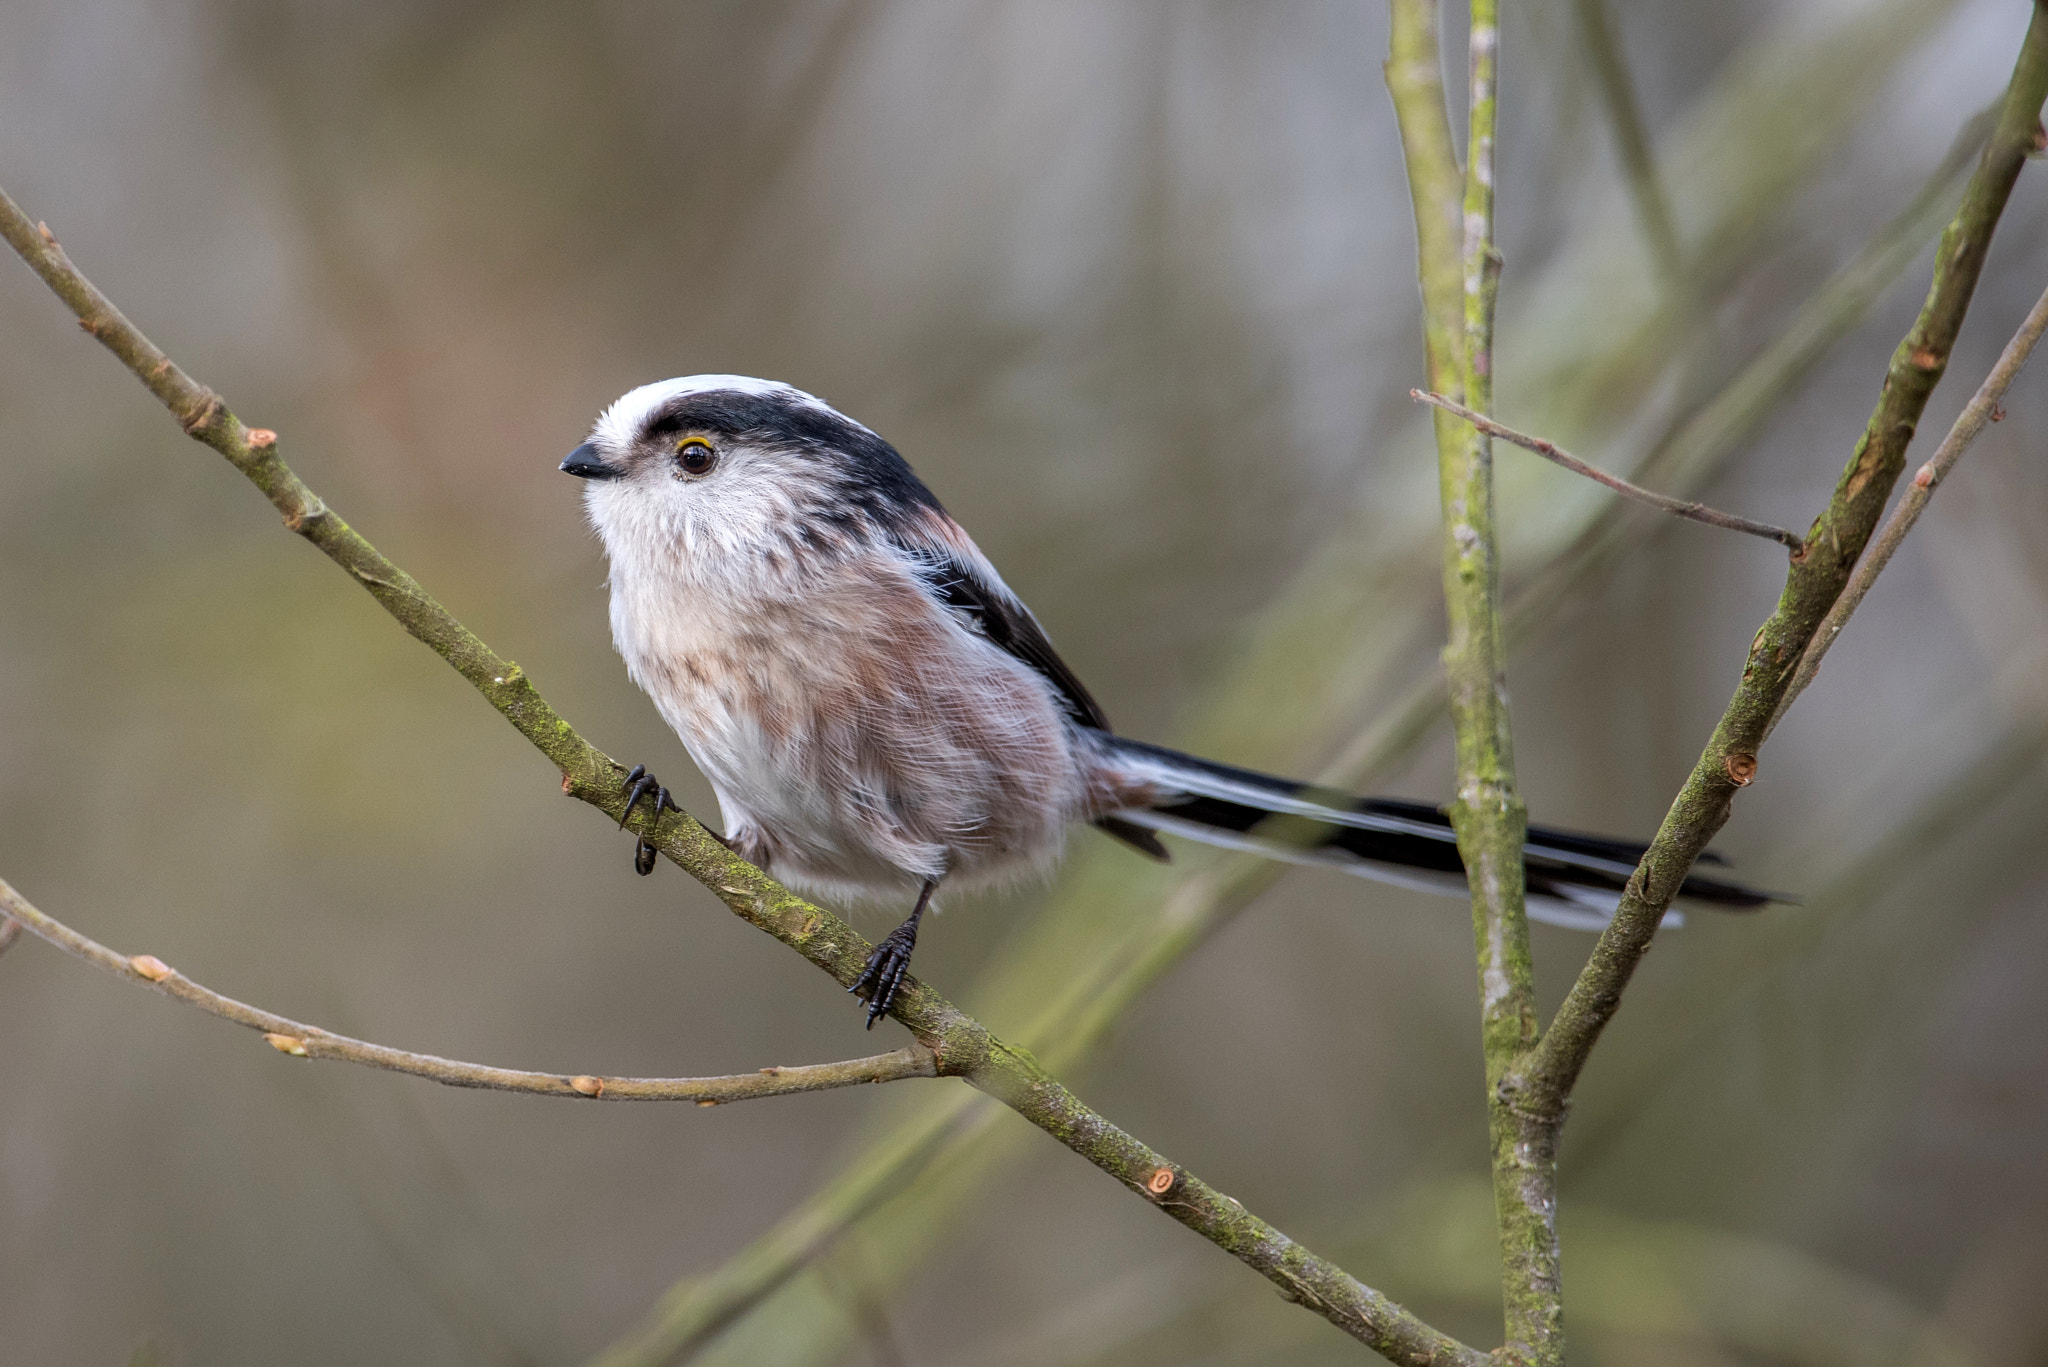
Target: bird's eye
<point x="696" y="456"/>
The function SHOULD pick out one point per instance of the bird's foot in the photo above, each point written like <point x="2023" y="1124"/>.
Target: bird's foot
<point x="639" y="784"/>
<point x="878" y="982"/>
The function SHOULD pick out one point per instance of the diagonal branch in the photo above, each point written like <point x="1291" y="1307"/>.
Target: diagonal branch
<point x="1982" y="409"/>
<point x="1557" y="455"/>
<point x="1815" y="581"/>
<point x="299" y="1040"/>
<point x="961" y="1045"/>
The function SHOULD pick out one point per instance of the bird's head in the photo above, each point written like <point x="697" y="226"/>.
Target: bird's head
<point x="716" y="469"/>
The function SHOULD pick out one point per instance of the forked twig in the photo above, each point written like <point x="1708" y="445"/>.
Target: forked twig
<point x="1982" y="409"/>
<point x="1550" y="451"/>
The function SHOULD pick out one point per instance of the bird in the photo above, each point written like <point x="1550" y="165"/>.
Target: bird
<point x="879" y="714"/>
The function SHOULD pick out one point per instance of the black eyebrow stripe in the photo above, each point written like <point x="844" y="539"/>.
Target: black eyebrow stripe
<point x="866" y="477"/>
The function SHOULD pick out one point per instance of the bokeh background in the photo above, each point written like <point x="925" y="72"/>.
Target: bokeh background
<point x="1132" y="285"/>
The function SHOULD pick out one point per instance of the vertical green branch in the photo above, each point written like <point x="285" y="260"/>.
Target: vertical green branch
<point x="1454" y="243"/>
<point x="1414" y="74"/>
<point x="1488" y="812"/>
<point x="1487" y="809"/>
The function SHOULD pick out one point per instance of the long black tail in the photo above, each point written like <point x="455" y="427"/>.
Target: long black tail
<point x="1573" y="879"/>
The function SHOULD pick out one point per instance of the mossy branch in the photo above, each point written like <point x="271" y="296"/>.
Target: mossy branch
<point x="1487" y="812"/>
<point x="960" y="1045"/>
<point x="1543" y="1083"/>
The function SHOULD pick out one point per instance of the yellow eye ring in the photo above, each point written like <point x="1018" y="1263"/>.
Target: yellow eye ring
<point x="696" y="456"/>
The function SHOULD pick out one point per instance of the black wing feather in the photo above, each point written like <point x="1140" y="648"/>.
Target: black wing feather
<point x="1009" y="626"/>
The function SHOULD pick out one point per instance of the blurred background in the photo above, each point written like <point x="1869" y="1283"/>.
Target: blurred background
<point x="1132" y="285"/>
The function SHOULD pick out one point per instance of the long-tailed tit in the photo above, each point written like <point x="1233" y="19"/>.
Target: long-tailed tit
<point x="878" y="712"/>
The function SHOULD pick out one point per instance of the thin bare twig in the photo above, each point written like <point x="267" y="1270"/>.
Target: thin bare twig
<point x="10" y="931"/>
<point x="1550" y="451"/>
<point x="962" y="1045"/>
<point x="1976" y="415"/>
<point x="300" y="1040"/>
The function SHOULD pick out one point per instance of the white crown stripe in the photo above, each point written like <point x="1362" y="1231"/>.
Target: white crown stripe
<point x="619" y="424"/>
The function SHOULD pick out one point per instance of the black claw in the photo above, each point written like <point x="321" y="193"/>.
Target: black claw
<point x="638" y="784"/>
<point x="885" y="971"/>
<point x="885" y="968"/>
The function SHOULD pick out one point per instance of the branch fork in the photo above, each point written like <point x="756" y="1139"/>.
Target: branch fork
<point x="1532" y="1074"/>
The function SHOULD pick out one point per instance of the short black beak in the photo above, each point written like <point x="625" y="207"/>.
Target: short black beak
<point x="585" y="463"/>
